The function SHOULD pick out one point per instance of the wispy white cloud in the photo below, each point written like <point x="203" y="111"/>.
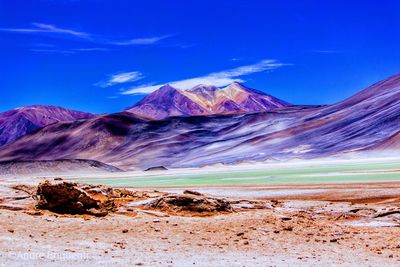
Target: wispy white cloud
<point x="219" y="79"/>
<point x="42" y="28"/>
<point x="53" y="51"/>
<point x="48" y="28"/>
<point x="91" y="49"/>
<point x="43" y="45"/>
<point x="142" y="41"/>
<point x="68" y="51"/>
<point x="326" y="51"/>
<point x="120" y="78"/>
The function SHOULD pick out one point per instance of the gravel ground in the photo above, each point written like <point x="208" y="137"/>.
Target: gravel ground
<point x="319" y="230"/>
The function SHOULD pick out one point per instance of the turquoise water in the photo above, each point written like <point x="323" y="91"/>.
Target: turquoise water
<point x="317" y="173"/>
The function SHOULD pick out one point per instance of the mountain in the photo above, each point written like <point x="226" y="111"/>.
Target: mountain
<point x="368" y="120"/>
<point x="21" y="121"/>
<point x="204" y="100"/>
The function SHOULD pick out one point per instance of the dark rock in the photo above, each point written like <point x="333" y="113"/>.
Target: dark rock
<point x="285" y="218"/>
<point x="156" y="168"/>
<point x="97" y="213"/>
<point x="384" y="214"/>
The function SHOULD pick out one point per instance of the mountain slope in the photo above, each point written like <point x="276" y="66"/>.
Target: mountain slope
<point x="19" y="122"/>
<point x="204" y="100"/>
<point x="359" y="123"/>
<point x="126" y="141"/>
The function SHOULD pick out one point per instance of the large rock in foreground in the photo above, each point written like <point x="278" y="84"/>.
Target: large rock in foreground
<point x="67" y="198"/>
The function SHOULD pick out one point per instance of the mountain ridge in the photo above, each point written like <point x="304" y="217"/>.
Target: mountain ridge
<point x="369" y="120"/>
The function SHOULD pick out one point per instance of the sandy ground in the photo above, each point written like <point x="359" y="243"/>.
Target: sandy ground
<point x="352" y="224"/>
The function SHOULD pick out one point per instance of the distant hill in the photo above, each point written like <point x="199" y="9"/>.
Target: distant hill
<point x="49" y="167"/>
<point x="21" y="121"/>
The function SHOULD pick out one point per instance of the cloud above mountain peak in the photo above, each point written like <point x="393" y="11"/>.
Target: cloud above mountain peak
<point x="120" y="78"/>
<point x="219" y="79"/>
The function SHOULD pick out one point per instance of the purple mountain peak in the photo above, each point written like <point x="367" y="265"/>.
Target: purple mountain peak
<point x="204" y="100"/>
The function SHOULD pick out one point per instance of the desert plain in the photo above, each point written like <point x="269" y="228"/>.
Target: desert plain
<point x="333" y="212"/>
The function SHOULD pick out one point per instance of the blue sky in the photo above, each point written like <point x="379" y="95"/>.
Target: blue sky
<point x="101" y="56"/>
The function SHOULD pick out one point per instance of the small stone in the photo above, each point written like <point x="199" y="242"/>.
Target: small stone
<point x="191" y="192"/>
<point x="125" y="231"/>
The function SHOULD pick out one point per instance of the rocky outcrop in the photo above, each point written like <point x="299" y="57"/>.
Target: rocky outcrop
<point x="191" y="202"/>
<point x="67" y="198"/>
<point x="70" y="198"/>
<point x="73" y="198"/>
